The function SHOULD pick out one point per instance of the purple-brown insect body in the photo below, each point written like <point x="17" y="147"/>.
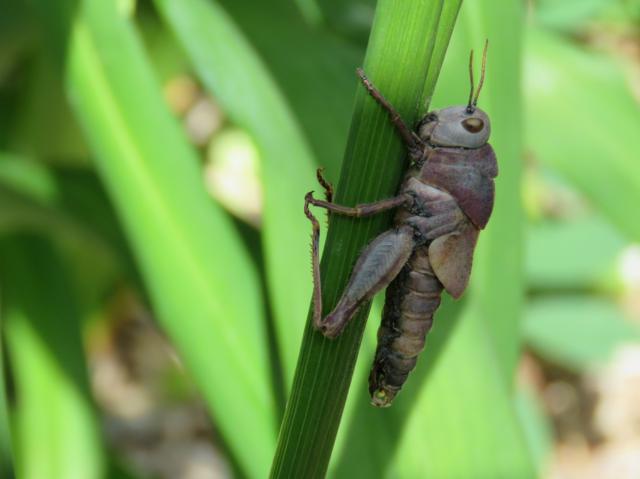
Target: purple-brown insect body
<point x="444" y="201"/>
<point x="453" y="193"/>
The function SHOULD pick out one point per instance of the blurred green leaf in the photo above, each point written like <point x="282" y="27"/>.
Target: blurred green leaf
<point x="117" y="470"/>
<point x="27" y="177"/>
<point x="583" y="123"/>
<point x="463" y="416"/>
<point x="318" y="86"/>
<point x="202" y="283"/>
<point x="351" y="18"/>
<point x="569" y="14"/>
<point x="537" y="426"/>
<point x="166" y="55"/>
<point x="310" y="10"/>
<point x="6" y="454"/>
<point x="56" y="431"/>
<point x="31" y="200"/>
<point x="16" y="37"/>
<point x="576" y="332"/>
<point x="70" y="208"/>
<point x="241" y="83"/>
<point x="369" y="441"/>
<point x="95" y="267"/>
<point x="44" y="127"/>
<point x="572" y="254"/>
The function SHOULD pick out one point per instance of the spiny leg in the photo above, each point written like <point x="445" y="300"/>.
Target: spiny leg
<point x="362" y="210"/>
<point x="411" y="140"/>
<point x="377" y="266"/>
<point x="328" y="187"/>
<point x="315" y="265"/>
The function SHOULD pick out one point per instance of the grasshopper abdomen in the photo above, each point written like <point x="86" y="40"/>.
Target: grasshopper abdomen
<point x="410" y="302"/>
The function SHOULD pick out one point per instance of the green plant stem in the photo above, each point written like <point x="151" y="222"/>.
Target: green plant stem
<point x="398" y="61"/>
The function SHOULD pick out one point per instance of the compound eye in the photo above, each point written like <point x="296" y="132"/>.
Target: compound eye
<point x="473" y="125"/>
<point x="430" y="117"/>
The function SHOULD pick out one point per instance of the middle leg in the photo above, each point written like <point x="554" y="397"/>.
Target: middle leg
<point x="362" y="210"/>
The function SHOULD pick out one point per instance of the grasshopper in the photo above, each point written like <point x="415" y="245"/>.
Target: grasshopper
<point x="446" y="198"/>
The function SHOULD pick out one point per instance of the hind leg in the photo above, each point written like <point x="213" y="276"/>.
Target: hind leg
<point x="358" y="212"/>
<point x="377" y="266"/>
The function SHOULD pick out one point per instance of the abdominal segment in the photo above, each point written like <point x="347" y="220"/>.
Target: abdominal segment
<point x="411" y="300"/>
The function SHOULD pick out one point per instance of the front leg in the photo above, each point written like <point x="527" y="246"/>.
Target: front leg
<point x="358" y="212"/>
<point x="412" y="141"/>
<point x="328" y="187"/>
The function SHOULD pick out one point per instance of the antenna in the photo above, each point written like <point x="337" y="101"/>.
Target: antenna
<point x="470" y="104"/>
<point x="484" y="68"/>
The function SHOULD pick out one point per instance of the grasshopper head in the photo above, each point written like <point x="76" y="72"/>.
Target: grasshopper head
<point x="459" y="126"/>
<point x="456" y="126"/>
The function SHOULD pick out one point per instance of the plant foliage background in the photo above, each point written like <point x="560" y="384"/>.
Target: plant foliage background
<point x="154" y="258"/>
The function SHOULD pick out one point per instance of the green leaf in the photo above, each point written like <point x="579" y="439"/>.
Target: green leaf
<point x="569" y="14"/>
<point x="537" y="426"/>
<point x="56" y="433"/>
<point x="165" y="54"/>
<point x="371" y="438"/>
<point x="351" y="18"/>
<point x="30" y="200"/>
<point x="576" y="332"/>
<point x="70" y="208"/>
<point x="28" y="178"/>
<point x="6" y="453"/>
<point x="202" y="283"/>
<point x="319" y="87"/>
<point x="16" y="40"/>
<point x="465" y="417"/>
<point x="573" y="254"/>
<point x="311" y="10"/>
<point x="591" y="138"/>
<point x="44" y="127"/>
<point x="230" y="69"/>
